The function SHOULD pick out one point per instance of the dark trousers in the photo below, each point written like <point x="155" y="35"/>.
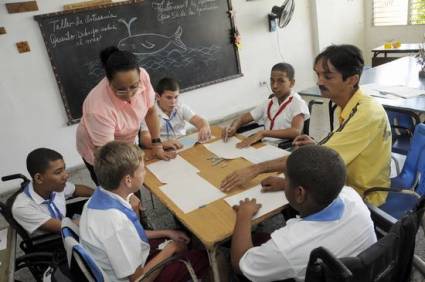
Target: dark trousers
<point x="176" y="271"/>
<point x="92" y="173"/>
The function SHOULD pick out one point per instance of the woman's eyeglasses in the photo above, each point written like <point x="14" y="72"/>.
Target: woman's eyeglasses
<point x="131" y="89"/>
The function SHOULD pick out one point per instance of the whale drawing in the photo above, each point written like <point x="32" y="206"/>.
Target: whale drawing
<point x="149" y="43"/>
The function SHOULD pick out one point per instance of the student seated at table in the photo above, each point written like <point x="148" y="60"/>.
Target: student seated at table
<point x="173" y="116"/>
<point x="331" y="215"/>
<point x="40" y="207"/>
<point x="111" y="231"/>
<point x="283" y="114"/>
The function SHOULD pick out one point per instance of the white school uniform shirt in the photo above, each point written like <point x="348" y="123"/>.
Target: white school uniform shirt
<point x="172" y="126"/>
<point x="112" y="240"/>
<point x="31" y="213"/>
<point x="287" y="253"/>
<point x="295" y="105"/>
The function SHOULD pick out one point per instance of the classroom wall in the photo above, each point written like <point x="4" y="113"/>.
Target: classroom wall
<point x="338" y="22"/>
<point x="378" y="35"/>
<point x="32" y="114"/>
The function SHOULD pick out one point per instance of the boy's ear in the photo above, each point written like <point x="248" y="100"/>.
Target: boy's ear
<point x="300" y="195"/>
<point x="292" y="83"/>
<point x="38" y="178"/>
<point x="157" y="96"/>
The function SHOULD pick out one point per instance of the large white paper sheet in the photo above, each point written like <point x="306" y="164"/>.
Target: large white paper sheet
<point x="189" y="141"/>
<point x="3" y="239"/>
<point x="394" y="90"/>
<point x="227" y="150"/>
<point x="191" y="192"/>
<point x="172" y="170"/>
<point x="269" y="201"/>
<point x="265" y="153"/>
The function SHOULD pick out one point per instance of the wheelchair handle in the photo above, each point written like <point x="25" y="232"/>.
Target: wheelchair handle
<point x="14" y="176"/>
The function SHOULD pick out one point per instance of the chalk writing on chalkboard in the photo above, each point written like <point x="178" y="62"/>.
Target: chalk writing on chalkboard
<point x="189" y="40"/>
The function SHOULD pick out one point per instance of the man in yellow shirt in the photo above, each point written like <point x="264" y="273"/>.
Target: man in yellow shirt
<point x="363" y="138"/>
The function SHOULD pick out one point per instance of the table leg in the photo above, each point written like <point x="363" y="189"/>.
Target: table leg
<point x="212" y="256"/>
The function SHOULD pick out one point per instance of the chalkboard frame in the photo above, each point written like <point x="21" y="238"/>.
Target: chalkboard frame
<point x="71" y="119"/>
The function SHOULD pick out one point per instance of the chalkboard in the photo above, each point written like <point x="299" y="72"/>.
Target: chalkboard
<point x="190" y="40"/>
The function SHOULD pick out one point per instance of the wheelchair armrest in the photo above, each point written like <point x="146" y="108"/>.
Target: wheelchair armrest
<point x="158" y="267"/>
<point x="390" y="190"/>
<point x="14" y="176"/>
<point x="285" y="144"/>
<point x="44" y="239"/>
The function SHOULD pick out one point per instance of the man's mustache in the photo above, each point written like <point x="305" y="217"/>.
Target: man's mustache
<point x="322" y="88"/>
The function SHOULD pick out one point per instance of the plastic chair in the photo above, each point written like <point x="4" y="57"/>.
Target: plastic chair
<point x="81" y="264"/>
<point x="400" y="200"/>
<point x="389" y="259"/>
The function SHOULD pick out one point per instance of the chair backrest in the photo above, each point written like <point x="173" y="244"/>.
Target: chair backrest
<point x="420" y="188"/>
<point x="389" y="259"/>
<point x="402" y="122"/>
<point x="6" y="208"/>
<point x="408" y="174"/>
<point x="83" y="266"/>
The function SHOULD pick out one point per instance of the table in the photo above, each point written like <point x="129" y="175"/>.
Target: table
<point x="215" y="222"/>
<point x="405" y="48"/>
<point x="403" y="71"/>
<point x="7" y="257"/>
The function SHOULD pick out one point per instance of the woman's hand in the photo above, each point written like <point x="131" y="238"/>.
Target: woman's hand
<point x="159" y="153"/>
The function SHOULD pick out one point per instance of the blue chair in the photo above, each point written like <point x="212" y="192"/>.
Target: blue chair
<point x="408" y="176"/>
<point x="83" y="267"/>
<point x="409" y="185"/>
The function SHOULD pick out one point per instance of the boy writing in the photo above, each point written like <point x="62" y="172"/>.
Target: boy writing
<point x="283" y="114"/>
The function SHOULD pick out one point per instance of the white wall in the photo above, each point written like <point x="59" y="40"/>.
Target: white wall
<point x="378" y="35"/>
<point x="338" y="22"/>
<point x="32" y="113"/>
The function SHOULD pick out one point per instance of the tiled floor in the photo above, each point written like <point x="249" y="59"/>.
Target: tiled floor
<point x="160" y="217"/>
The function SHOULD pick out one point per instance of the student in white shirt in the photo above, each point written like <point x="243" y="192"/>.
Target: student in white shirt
<point x="173" y="116"/>
<point x="111" y="231"/>
<point x="331" y="215"/>
<point x="40" y="207"/>
<point x="283" y="114"/>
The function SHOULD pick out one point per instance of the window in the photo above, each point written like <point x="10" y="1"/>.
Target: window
<point x="398" y="12"/>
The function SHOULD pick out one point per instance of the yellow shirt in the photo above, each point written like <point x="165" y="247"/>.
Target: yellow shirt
<point x="363" y="140"/>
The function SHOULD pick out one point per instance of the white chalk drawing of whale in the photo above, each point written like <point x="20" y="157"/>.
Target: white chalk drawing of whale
<point x="149" y="43"/>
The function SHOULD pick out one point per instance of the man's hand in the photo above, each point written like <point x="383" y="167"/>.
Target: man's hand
<point x="237" y="178"/>
<point x="204" y="134"/>
<point x="178" y="236"/>
<point x="162" y="155"/>
<point x="252" y="139"/>
<point x="247" y="208"/>
<point x="172" y="144"/>
<point x="273" y="183"/>
<point x="302" y="140"/>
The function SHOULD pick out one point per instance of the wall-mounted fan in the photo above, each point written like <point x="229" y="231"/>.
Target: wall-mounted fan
<point x="281" y="15"/>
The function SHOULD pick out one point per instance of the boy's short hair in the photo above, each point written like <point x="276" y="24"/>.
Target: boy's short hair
<point x="167" y="83"/>
<point x="115" y="160"/>
<point x="318" y="169"/>
<point x="347" y="59"/>
<point x="38" y="160"/>
<point x="286" y="68"/>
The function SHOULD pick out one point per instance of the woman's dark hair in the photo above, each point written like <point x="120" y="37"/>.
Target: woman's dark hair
<point x="115" y="60"/>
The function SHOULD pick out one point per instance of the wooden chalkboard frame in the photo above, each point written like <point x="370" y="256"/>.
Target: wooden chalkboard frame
<point x="71" y="119"/>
